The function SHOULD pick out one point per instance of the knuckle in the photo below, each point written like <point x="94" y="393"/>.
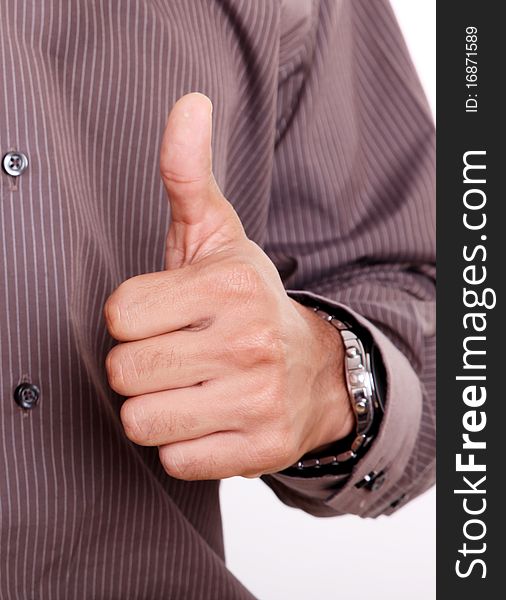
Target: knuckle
<point x="165" y="424"/>
<point x="271" y="344"/>
<point x="265" y="403"/>
<point x="117" y="310"/>
<point x="148" y="291"/>
<point x="133" y="422"/>
<point x="150" y="427"/>
<point x="112" y="315"/>
<point x="174" y="178"/>
<point x="176" y="463"/>
<point x="149" y="359"/>
<point x="188" y="465"/>
<point x="140" y="361"/>
<point x="263" y="343"/>
<point x="114" y="365"/>
<point x="130" y="364"/>
<point x="172" y="460"/>
<point x="125" y="309"/>
<point x="241" y="280"/>
<point x="168" y="426"/>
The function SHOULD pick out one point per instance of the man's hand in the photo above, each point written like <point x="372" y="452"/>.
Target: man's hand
<point x="224" y="372"/>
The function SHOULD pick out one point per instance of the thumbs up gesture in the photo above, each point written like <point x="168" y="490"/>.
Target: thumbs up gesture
<point x="223" y="372"/>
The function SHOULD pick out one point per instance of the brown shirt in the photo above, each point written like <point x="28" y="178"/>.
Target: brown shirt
<point x="323" y="142"/>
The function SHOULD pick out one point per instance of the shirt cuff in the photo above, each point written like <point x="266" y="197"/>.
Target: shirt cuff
<point x="371" y="488"/>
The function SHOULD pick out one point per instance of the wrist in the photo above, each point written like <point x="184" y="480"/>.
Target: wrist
<point x="365" y="378"/>
<point x="334" y="416"/>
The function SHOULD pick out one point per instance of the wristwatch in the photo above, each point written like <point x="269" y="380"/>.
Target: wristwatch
<point x="365" y="380"/>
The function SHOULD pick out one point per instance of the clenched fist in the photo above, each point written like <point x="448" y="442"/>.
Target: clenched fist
<point x="223" y="371"/>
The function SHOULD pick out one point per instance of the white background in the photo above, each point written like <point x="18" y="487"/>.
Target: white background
<point x="281" y="553"/>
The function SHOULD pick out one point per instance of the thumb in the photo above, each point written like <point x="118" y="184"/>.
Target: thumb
<point x="202" y="220"/>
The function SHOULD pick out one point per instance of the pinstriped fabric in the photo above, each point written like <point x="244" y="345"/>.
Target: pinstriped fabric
<point x="322" y="141"/>
<point x="352" y="219"/>
<point x="86" y="88"/>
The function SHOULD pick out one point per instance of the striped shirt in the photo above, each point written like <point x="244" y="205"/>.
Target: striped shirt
<point x="323" y="142"/>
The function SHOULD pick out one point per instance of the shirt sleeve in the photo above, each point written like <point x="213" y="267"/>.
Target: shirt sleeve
<point x="352" y="225"/>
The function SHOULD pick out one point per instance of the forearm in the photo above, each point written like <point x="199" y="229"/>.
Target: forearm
<point x="403" y="451"/>
<point x="352" y="221"/>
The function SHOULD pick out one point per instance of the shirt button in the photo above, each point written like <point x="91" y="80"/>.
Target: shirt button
<point x="26" y="395"/>
<point x="378" y="482"/>
<point x="372" y="482"/>
<point x="15" y="163"/>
